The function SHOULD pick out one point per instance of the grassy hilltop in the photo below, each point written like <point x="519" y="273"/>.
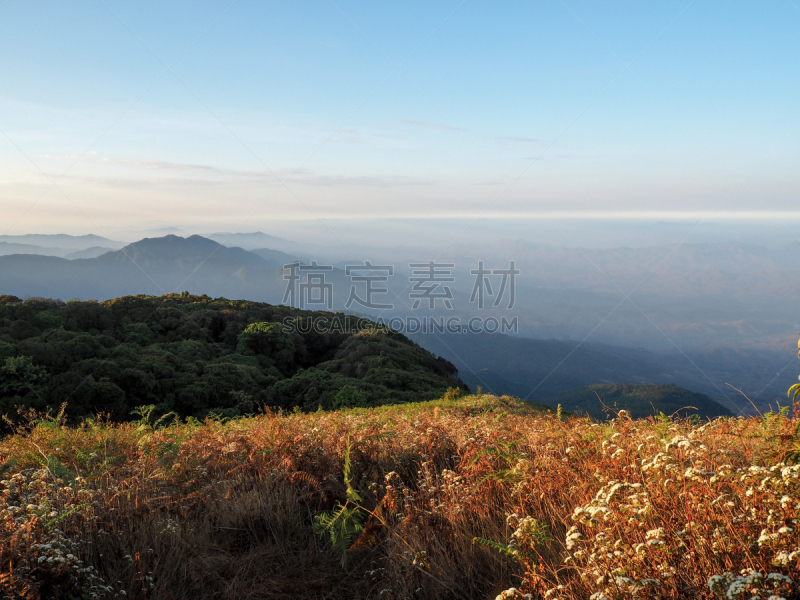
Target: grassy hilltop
<point x="476" y="497"/>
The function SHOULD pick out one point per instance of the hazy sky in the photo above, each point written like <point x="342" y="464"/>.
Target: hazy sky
<point x="237" y="115"/>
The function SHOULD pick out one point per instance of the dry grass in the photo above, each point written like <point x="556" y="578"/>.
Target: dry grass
<point x="573" y="509"/>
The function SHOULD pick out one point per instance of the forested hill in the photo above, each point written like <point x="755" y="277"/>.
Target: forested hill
<point x="195" y="355"/>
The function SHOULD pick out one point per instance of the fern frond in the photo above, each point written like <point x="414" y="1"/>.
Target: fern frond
<point x="502" y="548"/>
<point x="352" y="494"/>
<point x="341" y="525"/>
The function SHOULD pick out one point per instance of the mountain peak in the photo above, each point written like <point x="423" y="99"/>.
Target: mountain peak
<point x="173" y="244"/>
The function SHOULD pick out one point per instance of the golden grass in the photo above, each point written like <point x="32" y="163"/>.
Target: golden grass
<point x="469" y="498"/>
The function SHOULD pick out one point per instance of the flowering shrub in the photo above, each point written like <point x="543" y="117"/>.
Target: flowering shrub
<point x="682" y="514"/>
<point x="35" y="510"/>
<point x="750" y="583"/>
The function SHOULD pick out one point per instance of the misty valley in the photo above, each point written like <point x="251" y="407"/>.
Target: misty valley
<point x="713" y="318"/>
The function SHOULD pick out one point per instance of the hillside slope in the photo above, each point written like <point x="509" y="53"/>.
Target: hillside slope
<point x="537" y="369"/>
<point x="601" y="401"/>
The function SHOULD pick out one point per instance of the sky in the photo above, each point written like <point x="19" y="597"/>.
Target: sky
<point x="242" y="116"/>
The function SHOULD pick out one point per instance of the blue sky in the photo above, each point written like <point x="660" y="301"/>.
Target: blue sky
<point x="377" y="110"/>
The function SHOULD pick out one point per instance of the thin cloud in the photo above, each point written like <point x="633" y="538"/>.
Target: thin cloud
<point x="198" y="176"/>
<point x="382" y="182"/>
<point x="428" y="125"/>
<point x="142" y="164"/>
<point x="295" y="176"/>
<point x="518" y="140"/>
<point x="163" y="165"/>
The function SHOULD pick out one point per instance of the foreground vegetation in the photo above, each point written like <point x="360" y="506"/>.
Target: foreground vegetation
<point x="471" y="497"/>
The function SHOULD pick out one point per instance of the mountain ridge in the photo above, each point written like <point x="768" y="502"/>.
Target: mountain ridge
<point x="61" y="240"/>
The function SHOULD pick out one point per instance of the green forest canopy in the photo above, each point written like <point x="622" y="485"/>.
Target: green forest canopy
<point x="196" y="356"/>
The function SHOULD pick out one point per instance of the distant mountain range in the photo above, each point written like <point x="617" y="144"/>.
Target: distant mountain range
<point x="157" y="266"/>
<point x="250" y="241"/>
<point x="7" y="248"/>
<point x="17" y="248"/>
<point x="60" y="242"/>
<point x="150" y="266"/>
<point x="92" y="252"/>
<point x="678" y="269"/>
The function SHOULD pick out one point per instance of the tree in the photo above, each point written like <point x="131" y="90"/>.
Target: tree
<point x="350" y="397"/>
<point x="19" y="375"/>
<point x="270" y="340"/>
<point x="20" y="380"/>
